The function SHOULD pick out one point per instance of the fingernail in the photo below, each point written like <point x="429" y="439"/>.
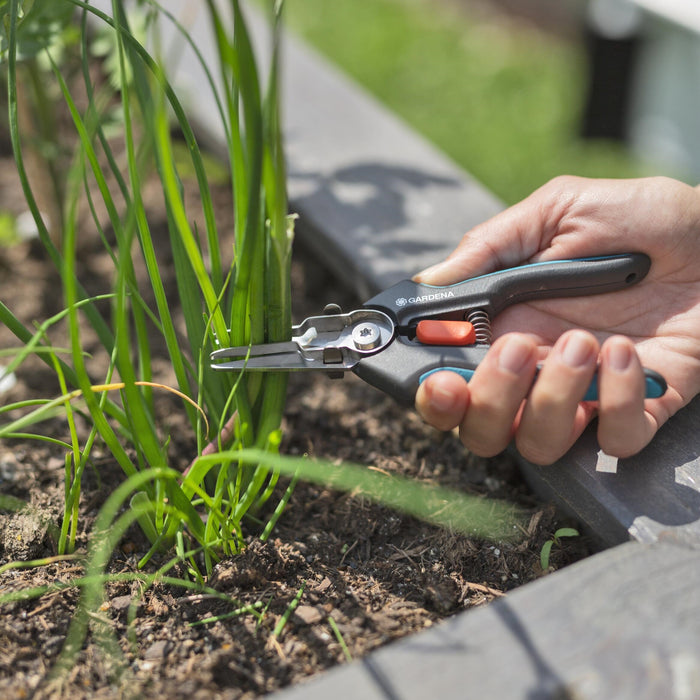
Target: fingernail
<point x="619" y="355"/>
<point x="428" y="272"/>
<point x="577" y="350"/>
<point x="515" y="354"/>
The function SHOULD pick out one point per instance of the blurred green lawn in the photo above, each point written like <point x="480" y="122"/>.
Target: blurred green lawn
<point x="503" y="100"/>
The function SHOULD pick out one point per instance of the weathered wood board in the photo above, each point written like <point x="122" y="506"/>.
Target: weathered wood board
<point x="653" y="494"/>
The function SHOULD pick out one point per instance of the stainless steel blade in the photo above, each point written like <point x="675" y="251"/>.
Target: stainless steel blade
<point x="326" y="343"/>
<point x="243" y="351"/>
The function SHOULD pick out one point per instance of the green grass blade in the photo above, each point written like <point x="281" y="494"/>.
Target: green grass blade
<point x="229" y="70"/>
<point x="339" y="637"/>
<point x="215" y="257"/>
<point x="284" y="619"/>
<point x="471" y="515"/>
<point x="71" y="295"/>
<point x="280" y="508"/>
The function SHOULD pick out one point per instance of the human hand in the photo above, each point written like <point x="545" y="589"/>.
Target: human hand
<point x="655" y="323"/>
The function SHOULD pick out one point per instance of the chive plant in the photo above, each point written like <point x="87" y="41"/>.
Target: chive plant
<point x="226" y="297"/>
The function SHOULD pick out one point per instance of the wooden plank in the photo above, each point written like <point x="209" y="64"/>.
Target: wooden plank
<point x="653" y="494"/>
<point x="616" y="625"/>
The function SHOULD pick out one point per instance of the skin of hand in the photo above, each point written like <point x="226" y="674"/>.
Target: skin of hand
<point x="655" y="323"/>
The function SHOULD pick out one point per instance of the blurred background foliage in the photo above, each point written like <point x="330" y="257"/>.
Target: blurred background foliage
<point x="500" y="95"/>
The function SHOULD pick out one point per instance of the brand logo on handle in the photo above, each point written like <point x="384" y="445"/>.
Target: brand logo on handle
<point x="425" y="298"/>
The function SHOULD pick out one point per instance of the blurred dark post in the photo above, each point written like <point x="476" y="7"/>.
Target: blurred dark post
<point x="613" y="37"/>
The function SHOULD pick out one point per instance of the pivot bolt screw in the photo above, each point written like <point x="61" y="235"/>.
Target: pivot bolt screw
<point x="366" y="336"/>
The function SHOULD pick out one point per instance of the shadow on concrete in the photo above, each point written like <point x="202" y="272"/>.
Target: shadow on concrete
<point x="655" y="490"/>
<point x="371" y="220"/>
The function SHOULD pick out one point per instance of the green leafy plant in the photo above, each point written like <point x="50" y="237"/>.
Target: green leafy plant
<point x="237" y="296"/>
<point x="546" y="550"/>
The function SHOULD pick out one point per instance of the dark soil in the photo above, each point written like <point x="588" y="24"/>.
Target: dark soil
<point x="375" y="574"/>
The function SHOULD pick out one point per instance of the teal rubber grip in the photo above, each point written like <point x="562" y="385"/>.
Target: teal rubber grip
<point x="655" y="383"/>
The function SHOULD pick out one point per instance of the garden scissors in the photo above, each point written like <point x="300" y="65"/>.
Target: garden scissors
<point x="405" y="333"/>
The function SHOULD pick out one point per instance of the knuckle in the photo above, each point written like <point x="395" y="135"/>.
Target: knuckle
<point x="622" y="405"/>
<point x="618" y="444"/>
<point x="562" y="182"/>
<point x="546" y="402"/>
<point x="562" y="185"/>
<point x="536" y="451"/>
<point x="480" y="445"/>
<point x="557" y="196"/>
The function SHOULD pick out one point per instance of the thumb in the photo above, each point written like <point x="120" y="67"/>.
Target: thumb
<point x="508" y="239"/>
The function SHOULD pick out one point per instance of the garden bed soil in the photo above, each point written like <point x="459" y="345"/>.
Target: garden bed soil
<point x="369" y="575"/>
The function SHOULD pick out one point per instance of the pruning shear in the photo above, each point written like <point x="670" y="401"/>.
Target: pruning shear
<point x="407" y="332"/>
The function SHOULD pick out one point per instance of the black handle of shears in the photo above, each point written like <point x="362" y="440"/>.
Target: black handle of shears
<point x="409" y="301"/>
<point x="403" y="364"/>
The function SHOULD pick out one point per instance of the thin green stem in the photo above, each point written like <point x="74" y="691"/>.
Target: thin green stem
<point x="284" y="619"/>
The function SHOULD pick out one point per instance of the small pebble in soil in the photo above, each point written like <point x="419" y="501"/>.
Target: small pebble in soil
<point x="157" y="650"/>
<point x="307" y="614"/>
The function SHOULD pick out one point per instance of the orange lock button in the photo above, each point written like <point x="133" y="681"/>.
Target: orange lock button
<point x="438" y="332"/>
